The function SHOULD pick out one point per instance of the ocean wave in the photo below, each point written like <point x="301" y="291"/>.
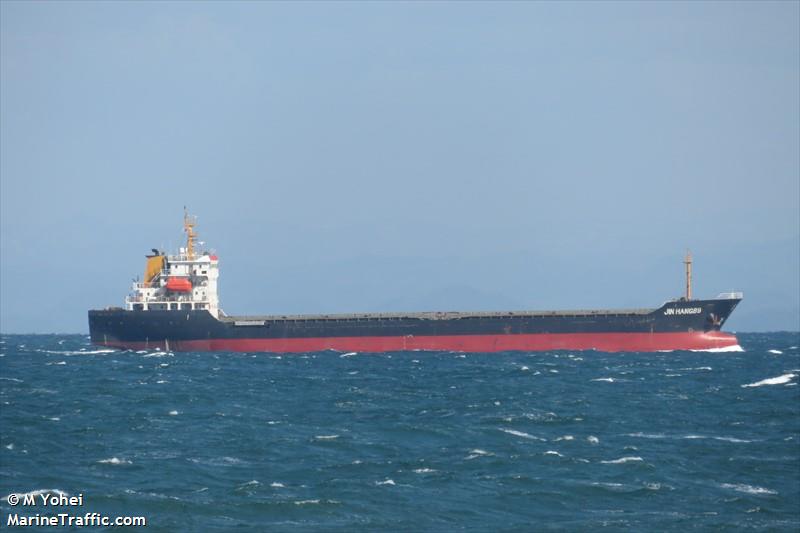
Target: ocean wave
<point x="38" y="492"/>
<point x="386" y="482"/>
<point x="780" y="380"/>
<point x="424" y="470"/>
<point x="777" y="352"/>
<point x="747" y="489"/>
<point x="623" y="460"/>
<point x="553" y="452"/>
<point x="521" y="434"/>
<point x="114" y="461"/>
<point x="477" y="452"/>
<point x="734" y="348"/>
<point x="687" y="437"/>
<point x="79" y="352"/>
<point x="326" y="437"/>
<point x="726" y="439"/>
<point x="610" y="380"/>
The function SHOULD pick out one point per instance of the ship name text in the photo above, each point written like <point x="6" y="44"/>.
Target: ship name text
<point x="683" y="311"/>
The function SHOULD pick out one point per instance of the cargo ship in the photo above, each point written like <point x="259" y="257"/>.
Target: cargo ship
<point x="176" y="307"/>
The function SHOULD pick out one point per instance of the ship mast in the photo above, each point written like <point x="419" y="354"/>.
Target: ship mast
<point x="688" y="262"/>
<point x="188" y="227"/>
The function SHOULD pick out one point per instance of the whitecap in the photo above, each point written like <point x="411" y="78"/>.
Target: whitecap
<point x="780" y="380"/>
<point x="173" y="413"/>
<point x="778" y="352"/>
<point x="553" y="452"/>
<point x="349" y="354"/>
<point x="306" y="502"/>
<point x="114" y="461"/>
<point x="477" y="452"/>
<point x="385" y="482"/>
<point x="54" y="418"/>
<point x="85" y="352"/>
<point x="38" y="492"/>
<point x="623" y="460"/>
<point x="647" y="435"/>
<point x="10" y="446"/>
<point x="326" y="437"/>
<point x="15" y="380"/>
<point x="276" y="485"/>
<point x="160" y="381"/>
<point x="565" y="437"/>
<point x="726" y="439"/>
<point x="591" y="439"/>
<point x="610" y="380"/>
<point x="749" y="489"/>
<point x="353" y="373"/>
<point x="423" y="470"/>
<point x="688" y="437"/>
<point x="521" y="434"/>
<point x="734" y="348"/>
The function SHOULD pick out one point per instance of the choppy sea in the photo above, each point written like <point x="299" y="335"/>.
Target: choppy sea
<point x="409" y="441"/>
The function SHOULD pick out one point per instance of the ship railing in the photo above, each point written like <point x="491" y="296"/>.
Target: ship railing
<point x="161" y="299"/>
<point x="730" y="296"/>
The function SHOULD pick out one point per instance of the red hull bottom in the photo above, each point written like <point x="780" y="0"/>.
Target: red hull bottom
<point x="604" y="342"/>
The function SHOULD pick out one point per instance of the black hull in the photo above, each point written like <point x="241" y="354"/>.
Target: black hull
<point x="691" y="324"/>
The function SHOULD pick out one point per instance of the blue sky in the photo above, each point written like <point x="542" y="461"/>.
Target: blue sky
<point x="402" y="156"/>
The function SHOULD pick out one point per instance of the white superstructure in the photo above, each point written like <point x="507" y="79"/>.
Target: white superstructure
<point x="186" y="281"/>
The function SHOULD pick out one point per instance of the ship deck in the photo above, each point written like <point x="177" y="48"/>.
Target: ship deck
<point x="438" y="315"/>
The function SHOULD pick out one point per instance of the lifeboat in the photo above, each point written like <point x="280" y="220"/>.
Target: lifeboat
<point x="179" y="284"/>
